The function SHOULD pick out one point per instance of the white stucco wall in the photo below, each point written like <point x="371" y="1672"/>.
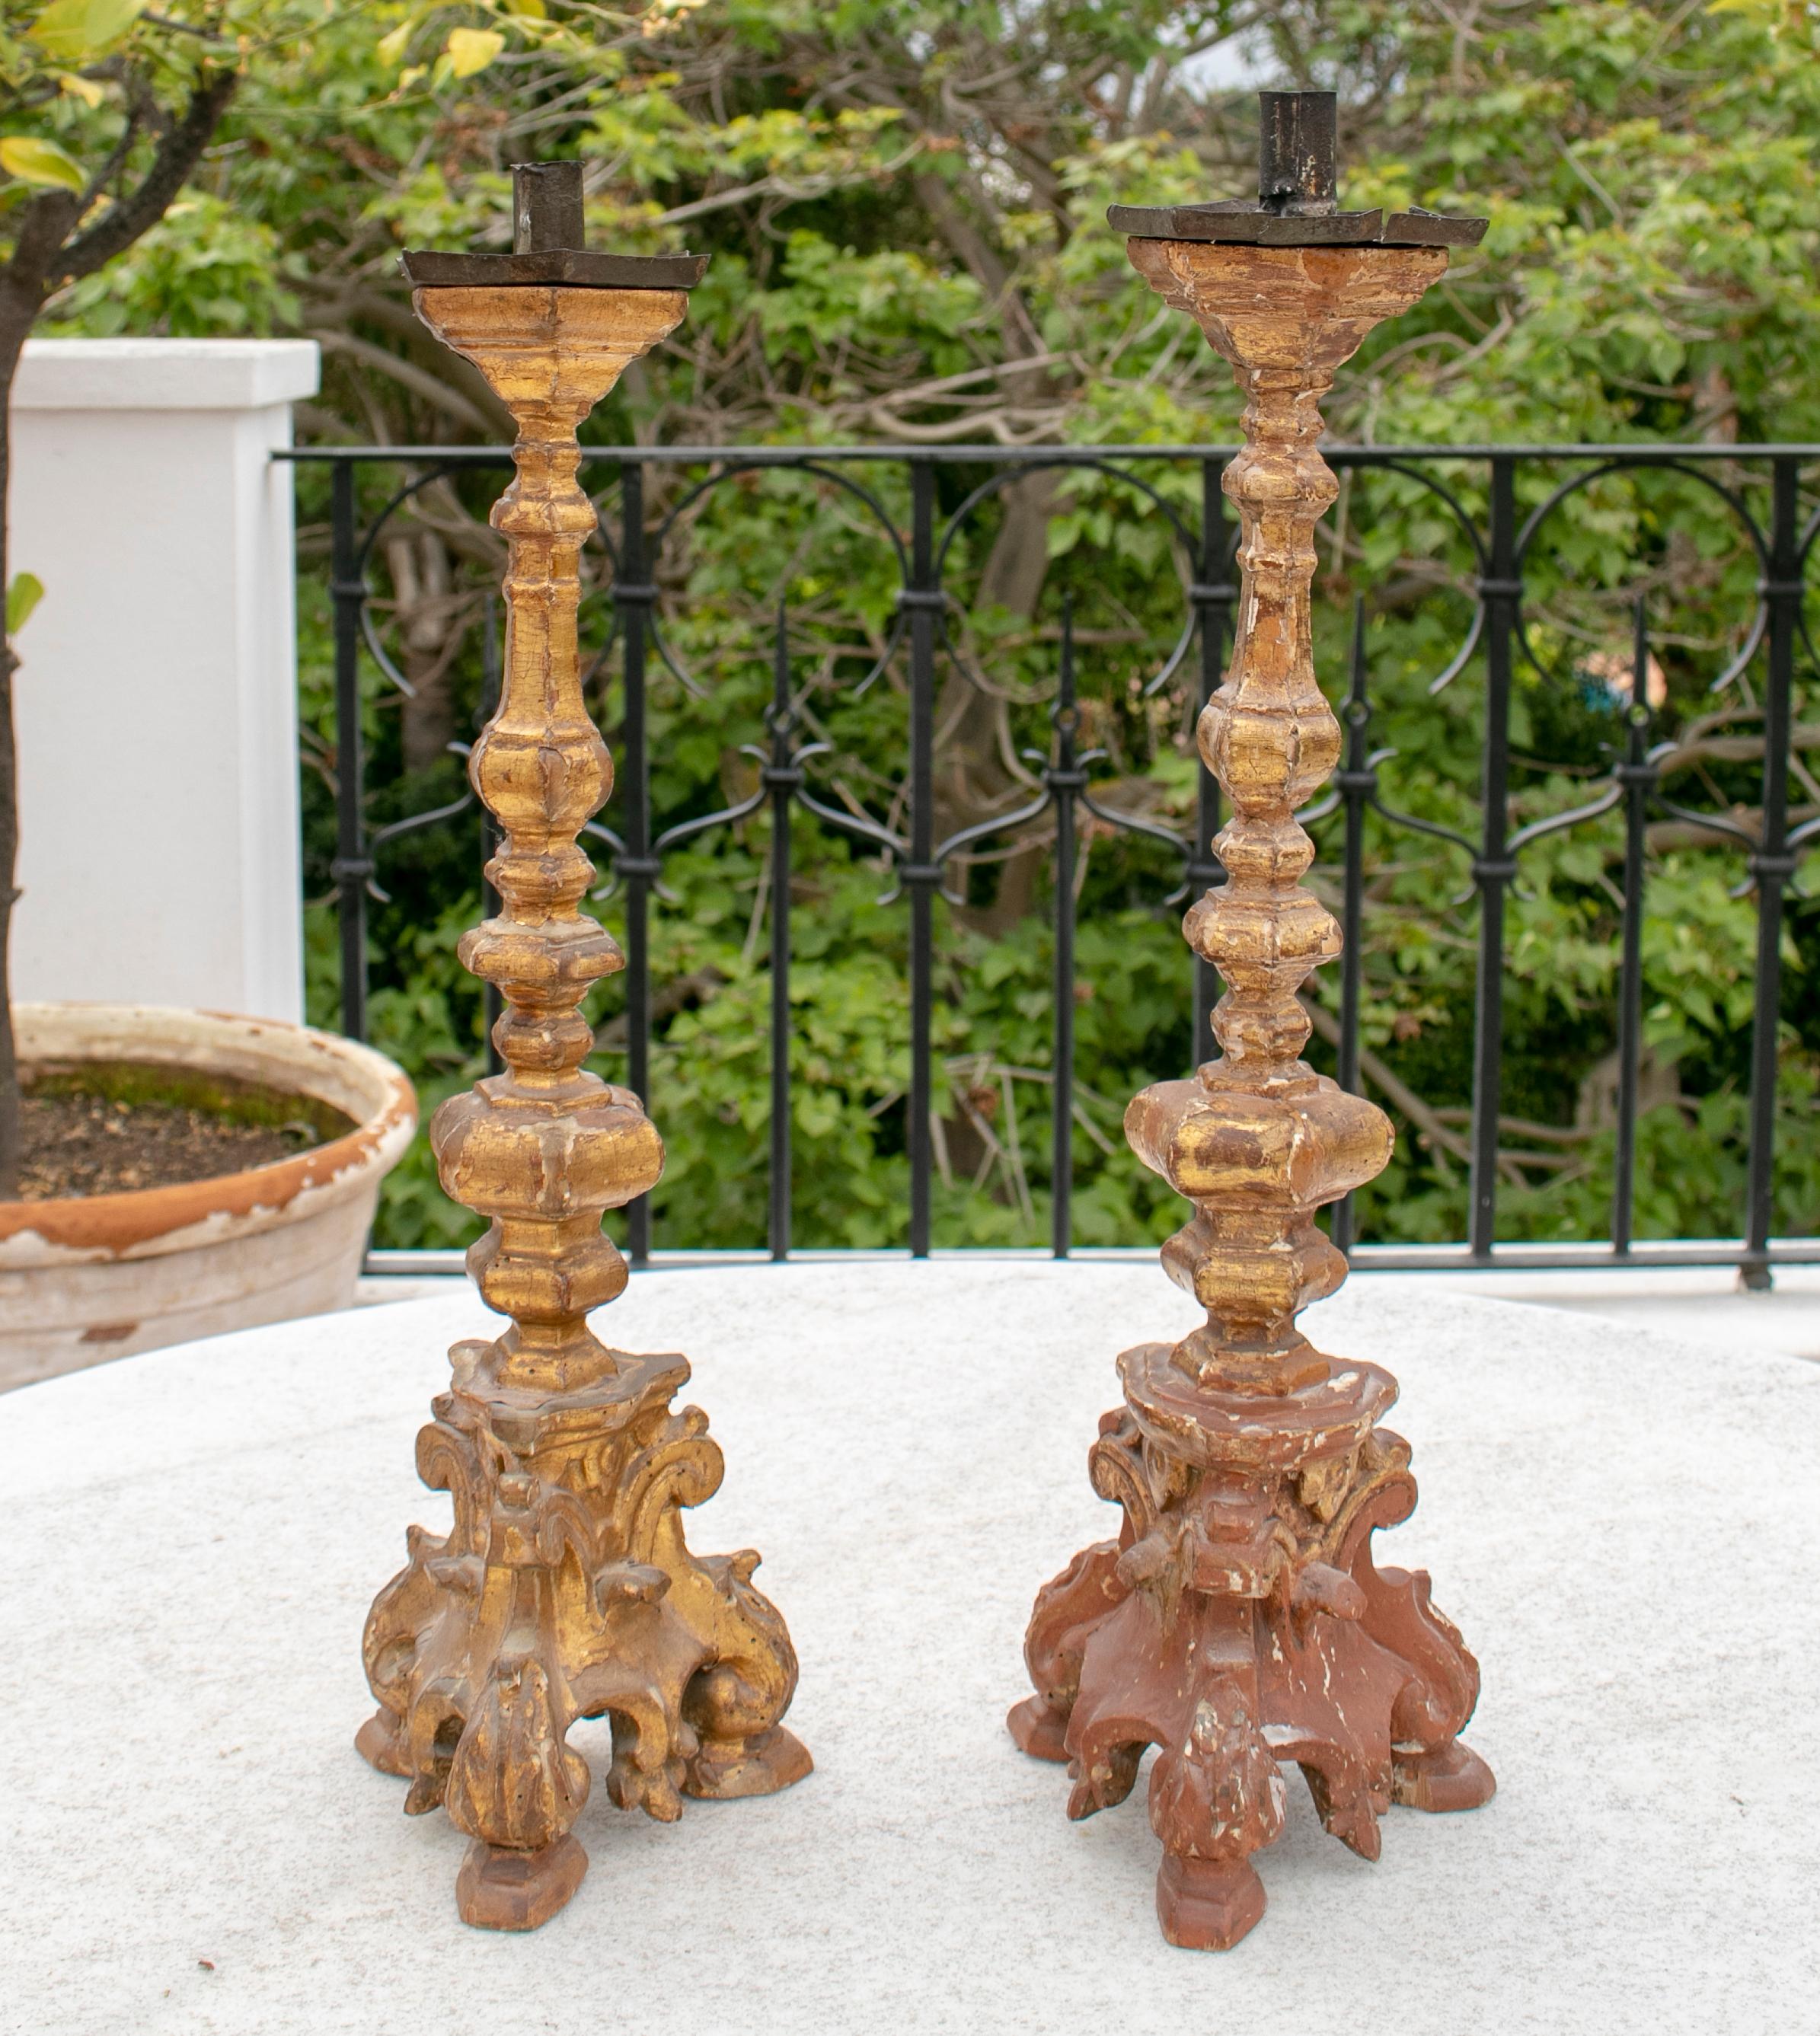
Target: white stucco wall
<point x="156" y="699"/>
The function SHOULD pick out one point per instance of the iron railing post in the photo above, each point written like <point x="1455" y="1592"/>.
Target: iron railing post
<point x="924" y="599"/>
<point x="1638" y="775"/>
<point x="1066" y="780"/>
<point x="783" y="775"/>
<point x="353" y="867"/>
<point x="1499" y="590"/>
<point x="1772" y="864"/>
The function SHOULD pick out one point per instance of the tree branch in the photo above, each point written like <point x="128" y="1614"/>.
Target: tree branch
<point x="341" y="308"/>
<point x="179" y="153"/>
<point x="43" y="230"/>
<point x="1398" y="1094"/>
<point x="409" y="375"/>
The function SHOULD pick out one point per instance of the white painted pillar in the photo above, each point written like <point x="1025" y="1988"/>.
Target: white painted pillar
<point x="157" y="699"/>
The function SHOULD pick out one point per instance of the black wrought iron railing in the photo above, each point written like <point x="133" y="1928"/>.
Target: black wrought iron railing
<point x="1495" y="502"/>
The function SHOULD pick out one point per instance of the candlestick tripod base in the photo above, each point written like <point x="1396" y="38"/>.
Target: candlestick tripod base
<point x="565" y="1592"/>
<point x="1239" y="1622"/>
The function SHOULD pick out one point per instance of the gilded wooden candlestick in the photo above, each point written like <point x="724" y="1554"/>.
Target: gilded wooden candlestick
<point x="1238" y="1621"/>
<point x="564" y="1590"/>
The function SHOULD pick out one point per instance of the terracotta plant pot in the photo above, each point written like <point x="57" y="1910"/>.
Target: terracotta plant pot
<point x="88" y="1277"/>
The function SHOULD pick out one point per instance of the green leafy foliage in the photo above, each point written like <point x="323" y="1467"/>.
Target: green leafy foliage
<point x="205" y="270"/>
<point x="24" y="592"/>
<point x="903" y="205"/>
<point x="88" y="86"/>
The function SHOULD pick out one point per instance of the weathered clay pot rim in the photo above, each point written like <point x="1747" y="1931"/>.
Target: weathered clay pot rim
<point x="141" y="1222"/>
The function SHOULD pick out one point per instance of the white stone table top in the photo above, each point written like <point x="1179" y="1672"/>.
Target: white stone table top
<point x="1623" y="1528"/>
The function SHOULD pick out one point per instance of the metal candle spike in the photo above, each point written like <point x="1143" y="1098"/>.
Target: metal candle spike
<point x="1297" y="179"/>
<point x="548" y="250"/>
<point x="1238" y="1622"/>
<point x="565" y="1589"/>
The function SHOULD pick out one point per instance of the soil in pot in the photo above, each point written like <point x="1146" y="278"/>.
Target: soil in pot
<point x="105" y="1129"/>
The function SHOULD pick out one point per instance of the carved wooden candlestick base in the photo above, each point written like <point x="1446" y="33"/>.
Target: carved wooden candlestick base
<point x="564" y="1590"/>
<point x="1238" y="1621"/>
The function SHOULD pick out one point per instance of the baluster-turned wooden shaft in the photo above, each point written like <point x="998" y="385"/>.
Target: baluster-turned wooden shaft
<point x="545" y="1148"/>
<point x="1255" y="1140"/>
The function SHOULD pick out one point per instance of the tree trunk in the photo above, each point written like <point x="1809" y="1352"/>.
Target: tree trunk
<point x="422" y="587"/>
<point x="972" y="782"/>
<point x="15" y="323"/>
<point x="45" y="257"/>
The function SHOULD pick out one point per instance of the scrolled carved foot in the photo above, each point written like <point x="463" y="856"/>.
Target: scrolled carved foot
<point x="499" y="1890"/>
<point x="1348" y="1805"/>
<point x="378" y="1742"/>
<point x="1039" y="1729"/>
<point x="1448" y="1778"/>
<point x="1207" y="1905"/>
<point x="759" y="1765"/>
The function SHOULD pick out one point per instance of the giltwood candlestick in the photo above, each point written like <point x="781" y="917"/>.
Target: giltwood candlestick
<point x="565" y="1590"/>
<point x="1238" y="1621"/>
